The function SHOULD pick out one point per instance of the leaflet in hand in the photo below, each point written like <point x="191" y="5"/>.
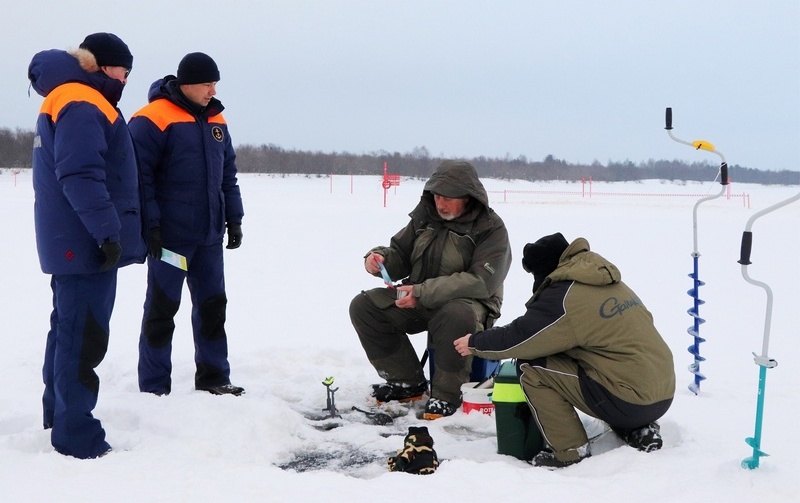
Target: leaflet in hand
<point x="385" y="274"/>
<point x="175" y="259"/>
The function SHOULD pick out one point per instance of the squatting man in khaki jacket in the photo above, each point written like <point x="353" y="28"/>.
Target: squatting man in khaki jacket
<point x="586" y="341"/>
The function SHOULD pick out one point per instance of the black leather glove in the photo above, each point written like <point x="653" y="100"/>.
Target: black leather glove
<point x="111" y="252"/>
<point x="417" y="455"/>
<point x="154" y="243"/>
<point x="234" y="236"/>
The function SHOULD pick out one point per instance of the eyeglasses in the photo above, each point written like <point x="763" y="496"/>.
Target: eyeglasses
<point x="106" y="70"/>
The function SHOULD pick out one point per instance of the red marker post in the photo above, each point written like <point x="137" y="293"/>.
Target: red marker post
<point x="389" y="180"/>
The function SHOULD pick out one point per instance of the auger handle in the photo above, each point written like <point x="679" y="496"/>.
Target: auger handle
<point x="669" y="119"/>
<point x="723" y="173"/>
<point x="747" y="246"/>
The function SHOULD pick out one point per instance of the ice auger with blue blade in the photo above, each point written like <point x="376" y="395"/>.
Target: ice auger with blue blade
<point x="694" y="311"/>
<point x="763" y="361"/>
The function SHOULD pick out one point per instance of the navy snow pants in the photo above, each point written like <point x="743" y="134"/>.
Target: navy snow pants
<point x="206" y="280"/>
<point x="76" y="344"/>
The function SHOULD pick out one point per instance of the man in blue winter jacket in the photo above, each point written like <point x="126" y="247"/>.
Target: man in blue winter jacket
<point x="188" y="171"/>
<point x="88" y="224"/>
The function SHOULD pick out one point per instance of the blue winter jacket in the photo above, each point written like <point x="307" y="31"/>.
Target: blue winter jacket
<point x="187" y="165"/>
<point x="84" y="167"/>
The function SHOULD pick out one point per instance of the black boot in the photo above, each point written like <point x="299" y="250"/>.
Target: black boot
<point x="646" y="438"/>
<point x="400" y="391"/>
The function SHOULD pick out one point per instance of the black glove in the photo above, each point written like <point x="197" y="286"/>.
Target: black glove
<point x="234" y="236"/>
<point x="417" y="455"/>
<point x="154" y="244"/>
<point x="111" y="252"/>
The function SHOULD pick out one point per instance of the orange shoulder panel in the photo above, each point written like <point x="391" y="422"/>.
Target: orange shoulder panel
<point x="163" y="112"/>
<point x="65" y="94"/>
<point x="217" y="119"/>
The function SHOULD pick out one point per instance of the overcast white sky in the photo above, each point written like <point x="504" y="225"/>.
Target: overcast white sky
<point x="580" y="80"/>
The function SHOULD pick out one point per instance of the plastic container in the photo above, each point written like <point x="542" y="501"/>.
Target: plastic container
<point x="476" y="399"/>
<point x="481" y="367"/>
<point x="517" y="432"/>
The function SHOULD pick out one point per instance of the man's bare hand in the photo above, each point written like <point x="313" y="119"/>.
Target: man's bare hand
<point x="462" y="345"/>
<point x="405" y="297"/>
<point x="372" y="261"/>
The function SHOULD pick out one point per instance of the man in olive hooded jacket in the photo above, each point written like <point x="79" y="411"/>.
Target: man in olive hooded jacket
<point x="588" y="342"/>
<point x="453" y="257"/>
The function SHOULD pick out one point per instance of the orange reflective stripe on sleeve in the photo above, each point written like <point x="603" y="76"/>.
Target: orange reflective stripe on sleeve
<point x="65" y="94"/>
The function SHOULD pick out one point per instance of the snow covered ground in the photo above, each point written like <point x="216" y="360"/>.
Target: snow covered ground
<point x="289" y="286"/>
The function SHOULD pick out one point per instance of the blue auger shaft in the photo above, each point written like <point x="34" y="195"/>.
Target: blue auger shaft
<point x="694" y="330"/>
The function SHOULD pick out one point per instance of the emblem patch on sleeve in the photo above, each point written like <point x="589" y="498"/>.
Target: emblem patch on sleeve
<point x="217" y="133"/>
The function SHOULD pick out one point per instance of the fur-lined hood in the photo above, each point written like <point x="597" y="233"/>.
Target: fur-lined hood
<point x="52" y="68"/>
<point x="86" y="59"/>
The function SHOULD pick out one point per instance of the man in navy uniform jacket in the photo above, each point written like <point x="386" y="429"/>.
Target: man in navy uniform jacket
<point x="188" y="170"/>
<point x="88" y="224"/>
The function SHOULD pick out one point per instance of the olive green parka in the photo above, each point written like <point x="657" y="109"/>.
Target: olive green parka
<point x="465" y="258"/>
<point x="585" y="311"/>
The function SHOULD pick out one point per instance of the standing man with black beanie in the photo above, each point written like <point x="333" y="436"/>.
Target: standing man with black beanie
<point x="188" y="171"/>
<point x="88" y="224"/>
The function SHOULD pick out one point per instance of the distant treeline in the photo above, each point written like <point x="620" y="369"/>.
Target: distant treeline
<point x="419" y="164"/>
<point x="16" y="149"/>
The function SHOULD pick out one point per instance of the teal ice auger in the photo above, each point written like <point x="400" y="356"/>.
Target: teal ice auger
<point x="694" y="311"/>
<point x="763" y="361"/>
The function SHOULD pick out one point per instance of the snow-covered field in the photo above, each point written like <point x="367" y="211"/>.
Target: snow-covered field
<point x="289" y="286"/>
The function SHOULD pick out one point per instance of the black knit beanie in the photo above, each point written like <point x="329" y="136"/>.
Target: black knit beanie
<point x="197" y="68"/>
<point x="541" y="258"/>
<point x="108" y="49"/>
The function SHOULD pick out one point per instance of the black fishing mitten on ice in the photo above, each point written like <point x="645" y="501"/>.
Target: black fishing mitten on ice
<point x="417" y="455"/>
